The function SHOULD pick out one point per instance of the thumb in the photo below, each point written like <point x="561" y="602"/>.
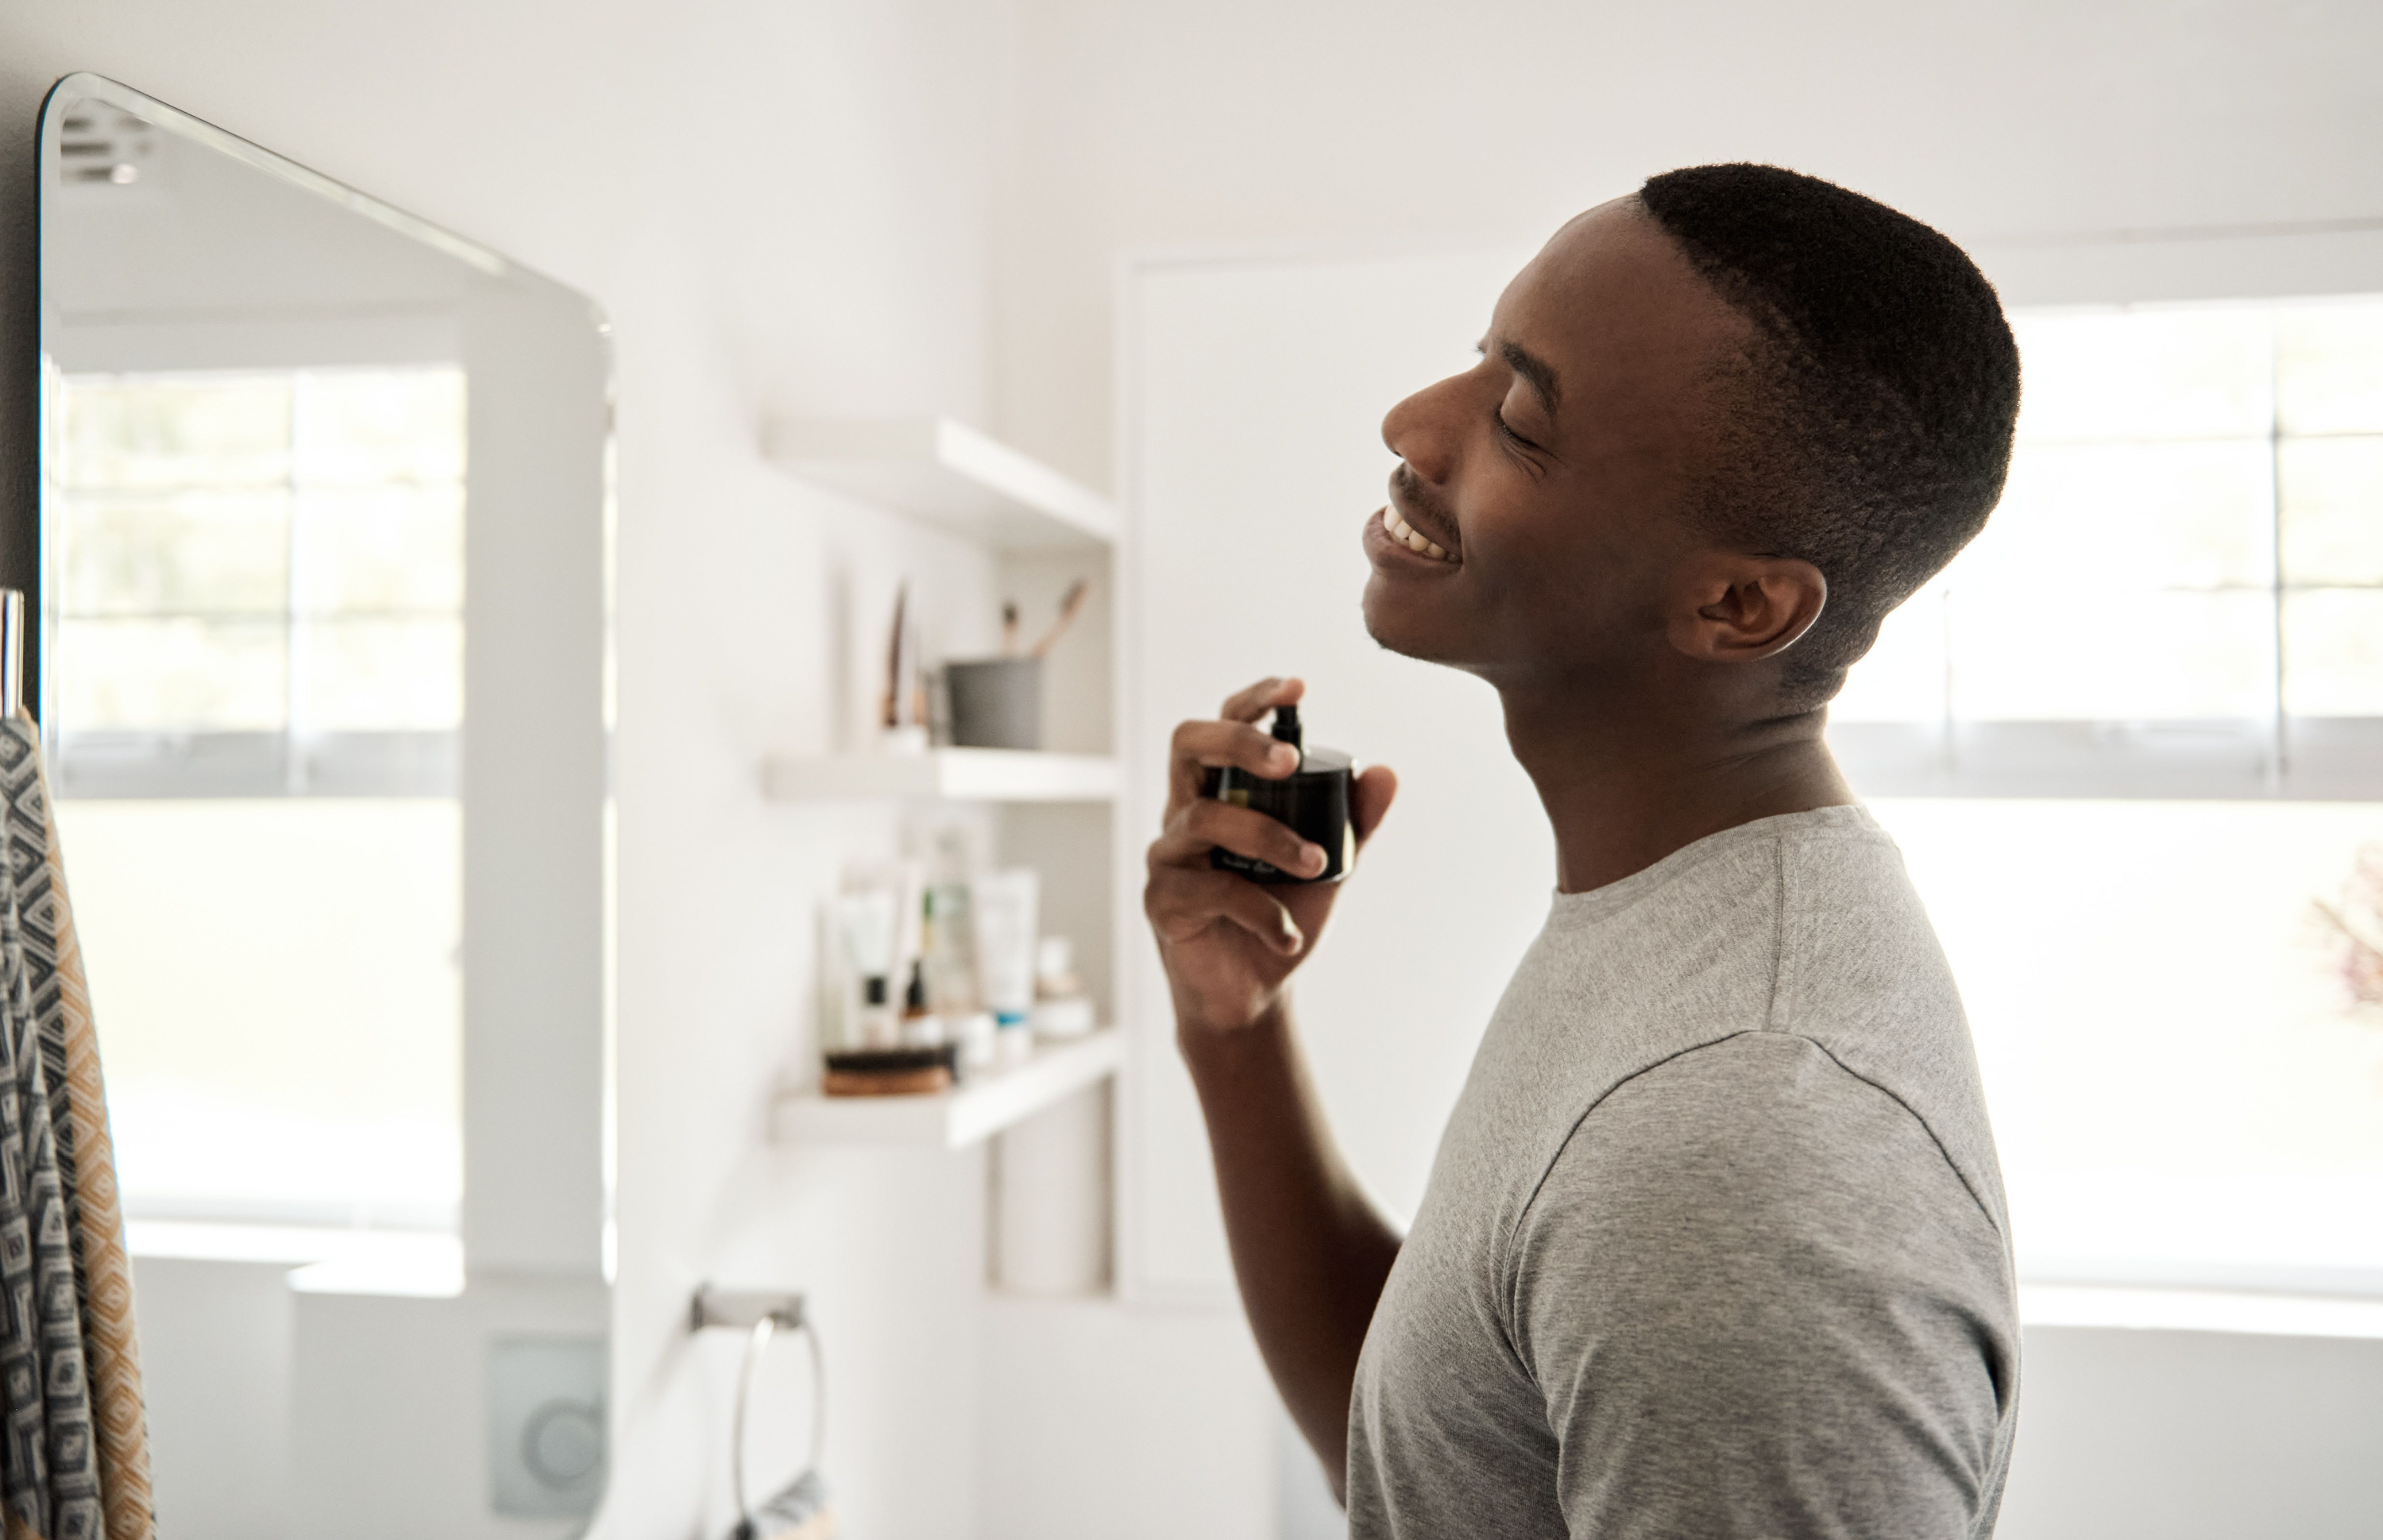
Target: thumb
<point x="1369" y="797"/>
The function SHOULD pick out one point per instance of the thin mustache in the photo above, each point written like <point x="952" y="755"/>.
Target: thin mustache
<point x="1408" y="498"/>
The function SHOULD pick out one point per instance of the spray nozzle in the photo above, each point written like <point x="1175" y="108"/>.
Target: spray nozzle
<point x="1285" y="724"/>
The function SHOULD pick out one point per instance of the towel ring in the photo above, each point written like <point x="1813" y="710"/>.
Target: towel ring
<point x="764" y="1316"/>
<point x="756" y="1344"/>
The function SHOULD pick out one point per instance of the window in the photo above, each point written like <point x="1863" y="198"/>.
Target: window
<point x="255" y="702"/>
<point x="2128" y="740"/>
<point x="262" y="581"/>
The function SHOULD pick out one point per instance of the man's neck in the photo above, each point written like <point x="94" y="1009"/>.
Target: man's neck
<point x="1625" y="789"/>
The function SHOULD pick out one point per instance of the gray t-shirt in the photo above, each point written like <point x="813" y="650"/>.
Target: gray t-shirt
<point x="1715" y="1245"/>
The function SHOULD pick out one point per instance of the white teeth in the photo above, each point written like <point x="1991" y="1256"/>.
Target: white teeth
<point x="1409" y="536"/>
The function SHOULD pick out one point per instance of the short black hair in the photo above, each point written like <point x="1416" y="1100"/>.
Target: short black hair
<point x="1868" y="429"/>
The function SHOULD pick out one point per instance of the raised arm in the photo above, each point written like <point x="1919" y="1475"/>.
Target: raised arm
<point x="1309" y="1250"/>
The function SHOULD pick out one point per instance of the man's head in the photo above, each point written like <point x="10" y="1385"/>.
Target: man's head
<point x="1732" y="420"/>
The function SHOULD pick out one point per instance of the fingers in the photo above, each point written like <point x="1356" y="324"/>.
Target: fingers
<point x="1184" y="902"/>
<point x="1263" y="697"/>
<point x="1202" y="825"/>
<point x="1370" y="796"/>
<point x="1200" y="745"/>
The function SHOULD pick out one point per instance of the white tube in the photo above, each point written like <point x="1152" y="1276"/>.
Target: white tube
<point x="1003" y="908"/>
<point x="868" y="920"/>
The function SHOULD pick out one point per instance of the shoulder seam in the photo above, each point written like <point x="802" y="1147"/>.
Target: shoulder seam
<point x="1925" y="1126"/>
<point x="1513" y="1304"/>
<point x="1772" y="1025"/>
<point x="1523" y="1215"/>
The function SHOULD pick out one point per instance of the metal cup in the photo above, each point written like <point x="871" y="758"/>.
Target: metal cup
<point x="996" y="702"/>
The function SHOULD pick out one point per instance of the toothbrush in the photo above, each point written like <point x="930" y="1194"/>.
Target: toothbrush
<point x="1069" y="606"/>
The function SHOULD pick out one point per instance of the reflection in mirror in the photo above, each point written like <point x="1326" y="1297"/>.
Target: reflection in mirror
<point x="320" y="677"/>
<point x="257" y="688"/>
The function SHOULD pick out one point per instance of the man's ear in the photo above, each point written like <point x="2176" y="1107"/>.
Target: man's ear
<point x="1742" y="608"/>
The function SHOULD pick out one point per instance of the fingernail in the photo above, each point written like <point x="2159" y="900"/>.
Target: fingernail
<point x="1283" y="754"/>
<point x="1311" y="857"/>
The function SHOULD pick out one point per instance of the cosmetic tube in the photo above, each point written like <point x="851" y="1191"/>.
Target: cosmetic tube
<point x="865" y="921"/>
<point x="1004" y="906"/>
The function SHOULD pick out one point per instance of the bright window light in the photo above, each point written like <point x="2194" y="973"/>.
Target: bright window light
<point x="2192" y="530"/>
<point x="2137" y="734"/>
<point x="262" y="551"/>
<point x="257" y="693"/>
<point x="2183" y="1089"/>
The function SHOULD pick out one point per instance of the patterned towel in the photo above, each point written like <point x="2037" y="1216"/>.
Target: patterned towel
<point x="74" y="1450"/>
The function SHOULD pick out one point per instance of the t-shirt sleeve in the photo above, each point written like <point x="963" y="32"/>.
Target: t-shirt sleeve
<point x="1758" y="1301"/>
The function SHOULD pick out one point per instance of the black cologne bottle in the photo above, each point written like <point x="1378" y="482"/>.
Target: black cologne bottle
<point x="1313" y="800"/>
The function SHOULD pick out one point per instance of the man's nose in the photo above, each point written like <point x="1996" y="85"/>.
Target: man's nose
<point x="1421" y="430"/>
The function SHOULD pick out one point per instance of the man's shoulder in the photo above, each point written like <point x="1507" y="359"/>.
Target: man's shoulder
<point x="1750" y="1235"/>
<point x="1751" y="1161"/>
<point x="1804" y="925"/>
<point x="1787" y="959"/>
<point x="1774" y="1105"/>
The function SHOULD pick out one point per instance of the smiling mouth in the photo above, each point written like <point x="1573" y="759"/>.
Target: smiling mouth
<point x="1415" y="539"/>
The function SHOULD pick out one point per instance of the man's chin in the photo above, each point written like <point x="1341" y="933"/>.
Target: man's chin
<point x="1392" y="622"/>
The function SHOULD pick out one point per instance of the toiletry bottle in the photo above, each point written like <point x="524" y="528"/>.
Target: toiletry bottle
<point x="921" y="1028"/>
<point x="879" y="1027"/>
<point x="1313" y="800"/>
<point x="868" y="919"/>
<point x="948" y="949"/>
<point x="1004" y="904"/>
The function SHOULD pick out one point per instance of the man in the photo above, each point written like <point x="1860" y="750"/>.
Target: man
<point x="1714" y="1244"/>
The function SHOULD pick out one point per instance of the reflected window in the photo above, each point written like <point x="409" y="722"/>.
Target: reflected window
<point x="273" y="554"/>
<point x="255" y="712"/>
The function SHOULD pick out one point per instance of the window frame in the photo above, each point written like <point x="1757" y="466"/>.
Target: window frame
<point x="165" y="764"/>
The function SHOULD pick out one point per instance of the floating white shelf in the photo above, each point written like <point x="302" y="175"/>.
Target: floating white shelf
<point x="953" y="1120"/>
<point x="956" y="775"/>
<point x="946" y="474"/>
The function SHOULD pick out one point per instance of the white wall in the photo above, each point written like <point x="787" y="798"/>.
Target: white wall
<point x="2196" y="1435"/>
<point x="216" y="1376"/>
<point x="1248" y="485"/>
<point x="1485" y="125"/>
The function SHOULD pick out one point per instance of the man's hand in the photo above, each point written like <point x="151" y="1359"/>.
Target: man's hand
<point x="1228" y="942"/>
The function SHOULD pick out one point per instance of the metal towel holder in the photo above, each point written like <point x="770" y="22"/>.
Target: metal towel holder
<point x="761" y="1315"/>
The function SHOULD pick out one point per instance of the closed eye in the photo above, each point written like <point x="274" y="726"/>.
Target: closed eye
<point x="1498" y="415"/>
<point x="1506" y="428"/>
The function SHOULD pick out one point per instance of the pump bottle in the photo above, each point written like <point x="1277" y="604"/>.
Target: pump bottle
<point x="1313" y="799"/>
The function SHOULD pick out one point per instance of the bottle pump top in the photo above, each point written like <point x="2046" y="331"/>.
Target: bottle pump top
<point x="1285" y="724"/>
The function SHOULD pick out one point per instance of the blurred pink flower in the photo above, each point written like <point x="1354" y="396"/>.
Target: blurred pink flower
<point x="2356" y="922"/>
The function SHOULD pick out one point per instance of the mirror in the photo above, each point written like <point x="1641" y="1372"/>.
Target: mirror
<point x="321" y="672"/>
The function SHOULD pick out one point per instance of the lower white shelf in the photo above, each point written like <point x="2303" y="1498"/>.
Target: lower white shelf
<point x="961" y="774"/>
<point x="956" y="1119"/>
